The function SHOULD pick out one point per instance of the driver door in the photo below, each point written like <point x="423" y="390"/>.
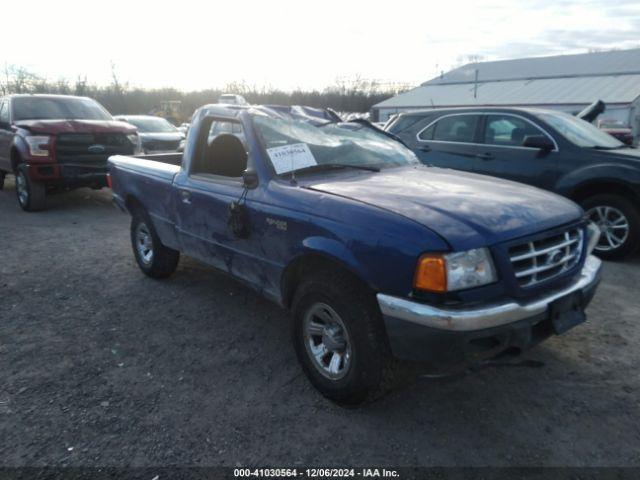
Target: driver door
<point x="204" y="195"/>
<point x="501" y="153"/>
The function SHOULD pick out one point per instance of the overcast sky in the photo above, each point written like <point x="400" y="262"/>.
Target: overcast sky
<point x="288" y="44"/>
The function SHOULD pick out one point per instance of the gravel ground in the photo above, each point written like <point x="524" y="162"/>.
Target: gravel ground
<point x="101" y="366"/>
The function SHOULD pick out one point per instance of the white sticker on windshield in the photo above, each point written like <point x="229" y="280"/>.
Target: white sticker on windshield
<point x="291" y="157"/>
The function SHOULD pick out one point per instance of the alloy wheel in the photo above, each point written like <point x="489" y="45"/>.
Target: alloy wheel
<point x="144" y="243"/>
<point x="613" y="224"/>
<point x="327" y="341"/>
<point x="21" y="189"/>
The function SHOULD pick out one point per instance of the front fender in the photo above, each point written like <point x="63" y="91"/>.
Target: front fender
<point x="337" y="251"/>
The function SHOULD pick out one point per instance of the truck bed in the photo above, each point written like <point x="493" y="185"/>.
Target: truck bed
<point x="171" y="158"/>
<point x="148" y="180"/>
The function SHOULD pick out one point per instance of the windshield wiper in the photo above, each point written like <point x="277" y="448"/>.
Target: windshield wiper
<point x="333" y="166"/>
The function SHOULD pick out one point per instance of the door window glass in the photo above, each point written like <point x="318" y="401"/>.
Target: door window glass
<point x="224" y="153"/>
<point x="508" y="130"/>
<point x="454" y="128"/>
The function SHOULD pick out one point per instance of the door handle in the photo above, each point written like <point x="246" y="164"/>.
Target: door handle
<point x="485" y="156"/>
<point x="425" y="148"/>
<point x="185" y="195"/>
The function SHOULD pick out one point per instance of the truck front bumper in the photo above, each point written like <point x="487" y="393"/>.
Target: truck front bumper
<point x="69" y="175"/>
<point x="425" y="333"/>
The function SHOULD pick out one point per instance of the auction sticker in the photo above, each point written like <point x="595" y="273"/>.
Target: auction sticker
<point x="291" y="157"/>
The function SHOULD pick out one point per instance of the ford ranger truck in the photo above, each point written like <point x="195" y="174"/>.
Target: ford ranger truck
<point x="382" y="261"/>
<point x="56" y="143"/>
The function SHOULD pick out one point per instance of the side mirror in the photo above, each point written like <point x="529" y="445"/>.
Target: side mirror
<point x="541" y="142"/>
<point x="250" y="178"/>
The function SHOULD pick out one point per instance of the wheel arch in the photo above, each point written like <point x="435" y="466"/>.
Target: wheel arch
<point x="604" y="187"/>
<point x="15" y="158"/>
<point x="313" y="260"/>
<point x="133" y="204"/>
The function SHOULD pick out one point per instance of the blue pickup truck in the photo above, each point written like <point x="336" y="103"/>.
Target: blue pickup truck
<point x="381" y="260"/>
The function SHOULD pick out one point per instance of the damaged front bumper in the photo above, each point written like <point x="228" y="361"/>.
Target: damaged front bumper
<point x="426" y="333"/>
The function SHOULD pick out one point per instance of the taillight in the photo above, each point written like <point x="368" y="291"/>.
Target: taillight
<point x="109" y="183"/>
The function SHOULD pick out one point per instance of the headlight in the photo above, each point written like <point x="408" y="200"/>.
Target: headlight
<point x="137" y="144"/>
<point x="454" y="271"/>
<point x="38" y="145"/>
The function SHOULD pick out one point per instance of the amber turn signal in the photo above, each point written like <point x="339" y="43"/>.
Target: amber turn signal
<point x="431" y="273"/>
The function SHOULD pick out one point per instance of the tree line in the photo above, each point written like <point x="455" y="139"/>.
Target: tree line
<point x="356" y="95"/>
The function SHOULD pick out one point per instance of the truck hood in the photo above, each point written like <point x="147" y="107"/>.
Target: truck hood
<point x="54" y="127"/>
<point x="466" y="209"/>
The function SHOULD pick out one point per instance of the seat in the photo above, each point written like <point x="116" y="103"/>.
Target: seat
<point x="226" y="156"/>
<point x="517" y="136"/>
<point x="490" y="136"/>
<point x="462" y="134"/>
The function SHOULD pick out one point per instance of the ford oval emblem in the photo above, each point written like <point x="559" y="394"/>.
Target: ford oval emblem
<point x="554" y="256"/>
<point x="97" y="149"/>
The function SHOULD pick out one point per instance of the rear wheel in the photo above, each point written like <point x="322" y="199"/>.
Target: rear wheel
<point x="339" y="337"/>
<point x="619" y="223"/>
<point x="31" y="195"/>
<point x="153" y="258"/>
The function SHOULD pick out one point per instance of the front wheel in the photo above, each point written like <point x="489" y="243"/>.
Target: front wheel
<point x="339" y="338"/>
<point x="153" y="258"/>
<point x="619" y="223"/>
<point x="31" y="195"/>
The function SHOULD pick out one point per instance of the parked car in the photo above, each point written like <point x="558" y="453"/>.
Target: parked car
<point x="377" y="256"/>
<point x="617" y="129"/>
<point x="544" y="148"/>
<point x="157" y="135"/>
<point x="58" y="142"/>
<point x="231" y="99"/>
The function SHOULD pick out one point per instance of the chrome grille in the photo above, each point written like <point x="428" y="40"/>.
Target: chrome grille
<point x="543" y="259"/>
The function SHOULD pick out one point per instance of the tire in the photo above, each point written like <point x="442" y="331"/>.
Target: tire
<point x="31" y="195"/>
<point x="3" y="175"/>
<point x="154" y="259"/>
<point x="353" y="329"/>
<point x="611" y="213"/>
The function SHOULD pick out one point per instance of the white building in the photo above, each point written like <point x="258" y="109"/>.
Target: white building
<point x="563" y="82"/>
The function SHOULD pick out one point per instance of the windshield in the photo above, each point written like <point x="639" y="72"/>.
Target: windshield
<point x="580" y="132"/>
<point x="152" y="125"/>
<point x="294" y="144"/>
<point x="62" y="108"/>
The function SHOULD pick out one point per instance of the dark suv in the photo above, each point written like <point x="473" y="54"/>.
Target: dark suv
<point x="58" y="142"/>
<point x="544" y="148"/>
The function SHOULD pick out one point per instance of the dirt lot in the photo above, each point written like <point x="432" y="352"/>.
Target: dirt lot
<point x="103" y="366"/>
